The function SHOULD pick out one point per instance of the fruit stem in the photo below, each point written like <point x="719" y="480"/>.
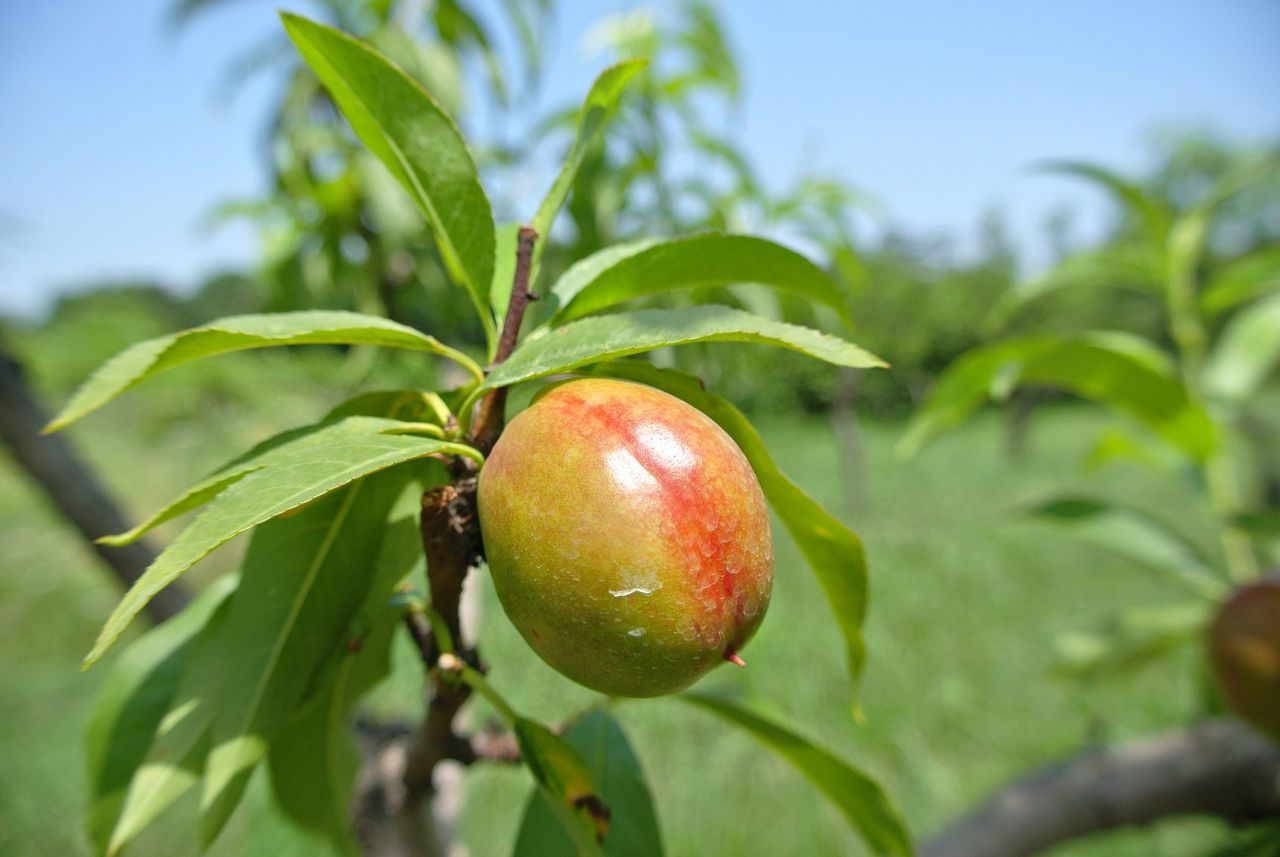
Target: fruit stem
<point x="732" y="657"/>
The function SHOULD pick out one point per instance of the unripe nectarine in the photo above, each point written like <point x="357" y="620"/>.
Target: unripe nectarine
<point x="627" y="536"/>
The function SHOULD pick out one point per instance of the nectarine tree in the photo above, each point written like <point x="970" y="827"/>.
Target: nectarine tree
<point x="623" y="518"/>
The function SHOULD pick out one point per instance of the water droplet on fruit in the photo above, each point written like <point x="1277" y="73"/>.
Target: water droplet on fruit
<point x="634" y="590"/>
<point x="639" y="584"/>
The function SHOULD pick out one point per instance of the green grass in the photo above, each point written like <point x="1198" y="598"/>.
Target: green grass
<point x="965" y="604"/>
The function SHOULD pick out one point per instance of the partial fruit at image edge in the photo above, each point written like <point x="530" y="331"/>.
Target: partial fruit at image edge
<point x="1244" y="644"/>
<point x="627" y="536"/>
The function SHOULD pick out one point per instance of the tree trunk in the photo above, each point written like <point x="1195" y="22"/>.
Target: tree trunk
<point x="54" y="465"/>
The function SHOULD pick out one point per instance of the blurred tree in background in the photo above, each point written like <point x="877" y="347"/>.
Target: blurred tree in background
<point x="336" y="233"/>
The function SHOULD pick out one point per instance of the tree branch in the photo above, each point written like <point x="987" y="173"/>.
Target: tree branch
<point x="1218" y="768"/>
<point x="451" y="541"/>
<point x="490" y="413"/>
<point x="74" y="489"/>
<point x="520" y="294"/>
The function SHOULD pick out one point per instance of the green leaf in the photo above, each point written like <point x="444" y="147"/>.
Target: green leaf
<point x="1118" y="266"/>
<point x="131" y="703"/>
<point x="177" y="755"/>
<point x="1121" y="371"/>
<point x="592" y="340"/>
<point x="412" y="405"/>
<point x="409" y="132"/>
<point x="460" y="29"/>
<point x="601" y="101"/>
<point x="302" y="583"/>
<point x="275" y="451"/>
<point x="1261" y="523"/>
<point x="1135" y="536"/>
<point x="1153" y="214"/>
<point x="139" y="362"/>
<point x="308" y="465"/>
<point x="633" y="825"/>
<point x="832" y="550"/>
<point x="566" y="781"/>
<point x="1189" y="235"/>
<point x="1242" y="279"/>
<point x="1246" y="353"/>
<point x="1132" y="640"/>
<point x="1118" y="443"/>
<point x="312" y="761"/>
<point x="651" y="266"/>
<point x="858" y="796"/>
<point x="504" y="271"/>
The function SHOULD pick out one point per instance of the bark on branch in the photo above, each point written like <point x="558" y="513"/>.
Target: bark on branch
<point x="73" y="488"/>
<point x="489" y="416"/>
<point x="405" y="812"/>
<point x="1219" y="768"/>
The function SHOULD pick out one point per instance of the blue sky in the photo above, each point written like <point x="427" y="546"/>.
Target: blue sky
<point x="117" y="139"/>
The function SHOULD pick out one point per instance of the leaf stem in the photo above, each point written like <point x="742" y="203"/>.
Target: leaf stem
<point x="406" y="427"/>
<point x="472" y="367"/>
<point x="1186" y="326"/>
<point x="474" y="679"/>
<point x="437" y="406"/>
<point x="444" y="639"/>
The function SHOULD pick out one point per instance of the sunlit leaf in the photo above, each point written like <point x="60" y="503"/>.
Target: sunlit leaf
<point x="309" y="465"/>
<point x="591" y="340"/>
<point x="176" y="758"/>
<point x="1135" y="536"/>
<point x="312" y="761"/>
<point x="131" y="703"/>
<point x="601" y="101"/>
<point x="1121" y="371"/>
<point x="1119" y="266"/>
<point x="1119" y="443"/>
<point x="1189" y="235"/>
<point x="1152" y="213"/>
<point x="504" y="271"/>
<point x="460" y="29"/>
<point x="302" y="584"/>
<point x="856" y="794"/>
<point x="566" y="782"/>
<point x="1242" y="279"/>
<point x="141" y="361"/>
<point x="615" y="770"/>
<point x="420" y="144"/>
<point x="648" y="267"/>
<point x="1246" y="353"/>
<point x="1131" y="640"/>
